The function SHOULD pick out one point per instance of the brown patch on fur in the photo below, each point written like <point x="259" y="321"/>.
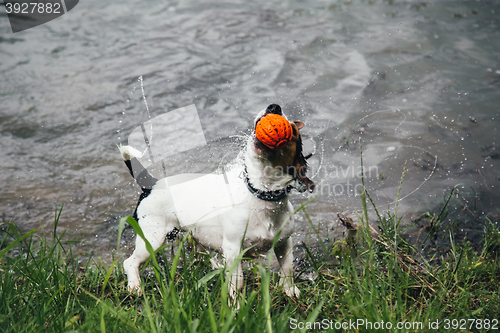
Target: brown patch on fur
<point x="290" y="158"/>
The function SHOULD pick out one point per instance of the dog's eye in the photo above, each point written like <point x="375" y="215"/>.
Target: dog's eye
<point x="294" y="131"/>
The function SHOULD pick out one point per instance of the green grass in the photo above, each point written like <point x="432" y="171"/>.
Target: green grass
<point x="374" y="276"/>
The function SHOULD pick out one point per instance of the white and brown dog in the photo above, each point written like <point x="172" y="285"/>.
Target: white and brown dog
<point x="245" y="207"/>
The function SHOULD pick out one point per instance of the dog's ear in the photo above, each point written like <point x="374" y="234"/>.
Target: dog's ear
<point x="299" y="124"/>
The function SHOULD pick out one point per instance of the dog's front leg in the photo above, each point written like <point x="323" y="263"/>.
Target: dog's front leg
<point x="284" y="255"/>
<point x="231" y="251"/>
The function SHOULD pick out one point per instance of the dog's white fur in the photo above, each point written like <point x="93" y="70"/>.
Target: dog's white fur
<point x="248" y="222"/>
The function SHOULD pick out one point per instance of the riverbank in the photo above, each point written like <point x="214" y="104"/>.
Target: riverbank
<point x="373" y="279"/>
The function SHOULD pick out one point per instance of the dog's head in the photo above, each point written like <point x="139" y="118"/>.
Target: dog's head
<point x="290" y="158"/>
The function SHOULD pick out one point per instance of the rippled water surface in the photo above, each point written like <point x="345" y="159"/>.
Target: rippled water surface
<point x="418" y="82"/>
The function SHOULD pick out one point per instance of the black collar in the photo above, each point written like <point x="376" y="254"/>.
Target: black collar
<point x="266" y="195"/>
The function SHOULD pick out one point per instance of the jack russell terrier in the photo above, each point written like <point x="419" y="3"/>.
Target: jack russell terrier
<point x="243" y="208"/>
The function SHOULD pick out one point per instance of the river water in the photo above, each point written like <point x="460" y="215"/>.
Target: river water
<point x="418" y="82"/>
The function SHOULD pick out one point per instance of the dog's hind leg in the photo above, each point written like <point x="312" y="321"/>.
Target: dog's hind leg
<point x="284" y="254"/>
<point x="155" y="231"/>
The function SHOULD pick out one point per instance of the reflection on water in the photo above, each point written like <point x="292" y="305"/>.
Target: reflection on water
<point x="417" y="83"/>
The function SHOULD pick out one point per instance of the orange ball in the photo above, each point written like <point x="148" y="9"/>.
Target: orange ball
<point x="274" y="131"/>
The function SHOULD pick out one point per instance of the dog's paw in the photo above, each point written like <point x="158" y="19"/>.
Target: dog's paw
<point x="134" y="288"/>
<point x="233" y="292"/>
<point x="215" y="263"/>
<point x="292" y="292"/>
<point x="233" y="300"/>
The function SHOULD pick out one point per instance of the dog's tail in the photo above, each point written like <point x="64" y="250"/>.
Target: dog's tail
<point x="143" y="178"/>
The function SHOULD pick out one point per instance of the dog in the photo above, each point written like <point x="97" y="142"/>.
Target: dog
<point x="245" y="207"/>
